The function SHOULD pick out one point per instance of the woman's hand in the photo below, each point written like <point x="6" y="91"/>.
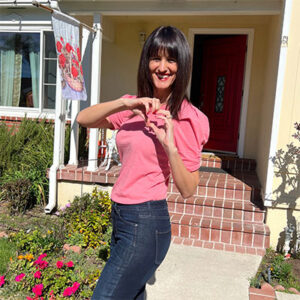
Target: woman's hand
<point x="142" y="106"/>
<point x="165" y="135"/>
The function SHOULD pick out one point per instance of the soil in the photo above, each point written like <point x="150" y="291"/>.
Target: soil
<point x="296" y="267"/>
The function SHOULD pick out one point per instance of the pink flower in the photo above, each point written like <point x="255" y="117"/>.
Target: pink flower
<point x="29" y="298"/>
<point x="42" y="256"/>
<point x="38" y="289"/>
<point x="59" y="264"/>
<point x="37" y="274"/>
<point x="2" y="280"/>
<point x="43" y="264"/>
<point x="19" y="277"/>
<point x="70" y="264"/>
<point x="68" y="292"/>
<point x="75" y="286"/>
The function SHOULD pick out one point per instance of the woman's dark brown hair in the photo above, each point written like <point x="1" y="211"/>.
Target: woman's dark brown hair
<point x="172" y="42"/>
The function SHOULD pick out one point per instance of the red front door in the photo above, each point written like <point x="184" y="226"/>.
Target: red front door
<point x="221" y="90"/>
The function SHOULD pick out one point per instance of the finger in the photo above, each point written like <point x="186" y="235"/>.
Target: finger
<point x="165" y="113"/>
<point x="156" y="104"/>
<point x="155" y="129"/>
<point x="139" y="113"/>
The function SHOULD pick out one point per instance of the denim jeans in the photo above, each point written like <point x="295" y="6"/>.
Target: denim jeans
<point x="140" y="241"/>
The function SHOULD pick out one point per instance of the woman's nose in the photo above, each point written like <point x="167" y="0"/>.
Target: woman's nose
<point x="162" y="65"/>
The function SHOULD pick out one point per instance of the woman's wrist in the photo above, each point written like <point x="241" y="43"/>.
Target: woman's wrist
<point x="172" y="151"/>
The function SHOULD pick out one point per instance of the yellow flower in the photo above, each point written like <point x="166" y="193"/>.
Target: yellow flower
<point x="10" y="259"/>
<point x="49" y="231"/>
<point x="29" y="257"/>
<point x="20" y="257"/>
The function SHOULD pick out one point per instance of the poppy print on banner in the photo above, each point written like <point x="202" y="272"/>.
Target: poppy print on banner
<point x="66" y="32"/>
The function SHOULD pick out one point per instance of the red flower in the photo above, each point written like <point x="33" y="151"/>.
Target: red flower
<point x="29" y="298"/>
<point x="37" y="274"/>
<point x="75" y="62"/>
<point x="74" y="72"/>
<point x="78" y="54"/>
<point x="75" y="286"/>
<point x="38" y="289"/>
<point x="43" y="264"/>
<point x="2" y="280"/>
<point x="62" y="60"/>
<point x="68" y="292"/>
<point x="62" y="40"/>
<point x="19" y="277"/>
<point x="69" y="47"/>
<point x="59" y="264"/>
<point x="58" y="46"/>
<point x="70" y="264"/>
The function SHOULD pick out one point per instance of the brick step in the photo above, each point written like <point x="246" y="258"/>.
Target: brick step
<point x="227" y="162"/>
<point x="219" y="185"/>
<point x="229" y="235"/>
<point x="218" y="208"/>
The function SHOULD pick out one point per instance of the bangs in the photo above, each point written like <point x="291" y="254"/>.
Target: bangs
<point x="164" y="44"/>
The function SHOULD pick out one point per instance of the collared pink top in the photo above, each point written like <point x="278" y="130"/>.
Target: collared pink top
<point x="145" y="170"/>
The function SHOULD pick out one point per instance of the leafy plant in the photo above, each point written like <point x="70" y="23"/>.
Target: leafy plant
<point x="19" y="195"/>
<point x="35" y="241"/>
<point x="89" y="217"/>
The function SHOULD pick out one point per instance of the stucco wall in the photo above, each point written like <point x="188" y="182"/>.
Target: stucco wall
<point x="286" y="187"/>
<point x="121" y="56"/>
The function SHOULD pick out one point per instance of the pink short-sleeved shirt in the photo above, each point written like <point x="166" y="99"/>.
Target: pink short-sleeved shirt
<point x="145" y="170"/>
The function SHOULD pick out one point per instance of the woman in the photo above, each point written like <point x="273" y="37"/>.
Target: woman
<point x="160" y="133"/>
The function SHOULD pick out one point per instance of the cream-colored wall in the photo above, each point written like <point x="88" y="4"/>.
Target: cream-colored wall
<point x="121" y="57"/>
<point x="265" y="108"/>
<point x="67" y="191"/>
<point x="286" y="210"/>
<point x="276" y="220"/>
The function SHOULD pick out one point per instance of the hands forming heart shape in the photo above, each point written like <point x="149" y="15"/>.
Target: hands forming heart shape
<point x="144" y="106"/>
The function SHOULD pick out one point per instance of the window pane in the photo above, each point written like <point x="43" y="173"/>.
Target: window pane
<point x="50" y="51"/>
<point x="50" y="71"/>
<point x="50" y="63"/>
<point x="220" y="94"/>
<point x="19" y="69"/>
<point x="49" y="96"/>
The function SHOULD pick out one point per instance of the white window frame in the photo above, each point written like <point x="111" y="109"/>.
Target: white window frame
<point x="30" y="27"/>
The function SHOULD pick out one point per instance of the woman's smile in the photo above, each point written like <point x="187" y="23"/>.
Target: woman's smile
<point x="163" y="71"/>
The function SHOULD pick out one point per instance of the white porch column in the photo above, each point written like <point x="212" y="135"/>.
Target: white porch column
<point x="74" y="137"/>
<point x="95" y="91"/>
<point x="59" y="142"/>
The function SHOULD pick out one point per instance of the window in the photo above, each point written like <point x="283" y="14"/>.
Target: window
<point x="20" y="69"/>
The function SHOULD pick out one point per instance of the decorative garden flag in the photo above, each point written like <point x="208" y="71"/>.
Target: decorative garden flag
<point x="66" y="33"/>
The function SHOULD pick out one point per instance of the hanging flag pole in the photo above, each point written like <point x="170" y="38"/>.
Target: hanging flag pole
<point x="37" y="4"/>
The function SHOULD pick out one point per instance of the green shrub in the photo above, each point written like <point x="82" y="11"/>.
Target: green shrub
<point x="18" y="194"/>
<point x="35" y="241"/>
<point x="88" y="217"/>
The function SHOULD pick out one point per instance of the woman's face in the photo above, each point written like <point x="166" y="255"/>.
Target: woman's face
<point x="163" y="73"/>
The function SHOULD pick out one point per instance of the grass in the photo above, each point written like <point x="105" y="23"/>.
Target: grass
<point x="7" y="250"/>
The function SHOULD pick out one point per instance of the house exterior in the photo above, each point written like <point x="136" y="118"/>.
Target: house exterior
<point x="246" y="74"/>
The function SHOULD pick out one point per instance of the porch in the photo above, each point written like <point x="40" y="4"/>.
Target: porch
<point x="226" y="212"/>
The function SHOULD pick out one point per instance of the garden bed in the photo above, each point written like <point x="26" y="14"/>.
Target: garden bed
<point x="40" y="260"/>
<point x="278" y="270"/>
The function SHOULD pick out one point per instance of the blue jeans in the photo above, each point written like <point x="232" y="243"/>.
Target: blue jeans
<point x="140" y="241"/>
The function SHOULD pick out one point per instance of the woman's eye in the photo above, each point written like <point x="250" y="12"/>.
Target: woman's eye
<point x="171" y="60"/>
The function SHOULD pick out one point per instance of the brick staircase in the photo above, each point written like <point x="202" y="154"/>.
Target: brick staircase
<point x="226" y="213"/>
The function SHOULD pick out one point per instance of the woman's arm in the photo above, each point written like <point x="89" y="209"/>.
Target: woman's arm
<point x="96" y="116"/>
<point x="185" y="181"/>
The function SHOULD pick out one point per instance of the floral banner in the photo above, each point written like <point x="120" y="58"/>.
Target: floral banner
<point x="66" y="33"/>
